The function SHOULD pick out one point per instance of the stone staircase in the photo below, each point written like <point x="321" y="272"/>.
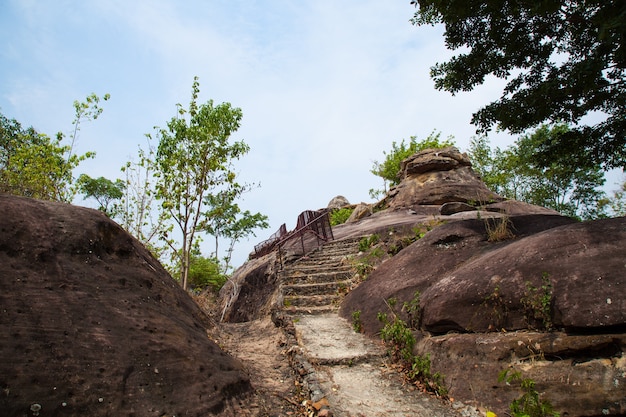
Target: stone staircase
<point x="315" y="283"/>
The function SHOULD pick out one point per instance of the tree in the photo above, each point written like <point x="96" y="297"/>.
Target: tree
<point x="389" y="169"/>
<point x="226" y="220"/>
<point x="138" y="212"/>
<point x="616" y="203"/>
<point x="562" y="59"/>
<point x="515" y="173"/>
<point x="104" y="191"/>
<point x="194" y="158"/>
<point x="34" y="165"/>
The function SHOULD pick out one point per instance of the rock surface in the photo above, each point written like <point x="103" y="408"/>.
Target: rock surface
<point x="438" y="176"/>
<point x="338" y="202"/>
<point x="91" y="324"/>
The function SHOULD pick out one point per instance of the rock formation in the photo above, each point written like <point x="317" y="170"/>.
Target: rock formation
<point x="92" y="325"/>
<point x="338" y="202"/>
<point x="438" y="176"/>
<point x="501" y="284"/>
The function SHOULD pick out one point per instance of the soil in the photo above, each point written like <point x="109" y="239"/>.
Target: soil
<point x="263" y="350"/>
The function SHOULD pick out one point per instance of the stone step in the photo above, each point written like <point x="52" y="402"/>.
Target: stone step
<point x="310" y="266"/>
<point x="324" y="288"/>
<point x="312" y="310"/>
<point x="318" y="277"/>
<point x="310" y="300"/>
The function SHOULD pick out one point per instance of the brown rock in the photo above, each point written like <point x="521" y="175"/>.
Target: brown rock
<point x="435" y="177"/>
<point x="471" y="290"/>
<point x="361" y="211"/>
<point x="338" y="202"/>
<point x="448" y="209"/>
<point x="91" y="324"/>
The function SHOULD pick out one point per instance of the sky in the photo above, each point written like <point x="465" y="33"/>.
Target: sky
<point x="325" y="86"/>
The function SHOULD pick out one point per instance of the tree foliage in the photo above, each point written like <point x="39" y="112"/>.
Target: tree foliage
<point x="562" y="59"/>
<point x="225" y="219"/>
<point x="515" y="173"/>
<point x="35" y="165"/>
<point x="389" y="168"/>
<point x="138" y="213"/>
<point x="104" y="191"/>
<point x="194" y="159"/>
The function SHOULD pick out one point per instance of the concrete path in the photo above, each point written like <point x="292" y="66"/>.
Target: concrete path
<point x="354" y="377"/>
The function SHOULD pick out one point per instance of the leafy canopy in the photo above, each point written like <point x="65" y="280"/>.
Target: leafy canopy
<point x="562" y="59"/>
<point x="103" y="190"/>
<point x="515" y="173"/>
<point x="35" y="165"/>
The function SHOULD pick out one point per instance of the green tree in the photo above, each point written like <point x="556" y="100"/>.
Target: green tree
<point x="616" y="203"/>
<point x="389" y="168"/>
<point x="194" y="158"/>
<point x="224" y="219"/>
<point x="37" y="166"/>
<point x="515" y="173"/>
<point x="85" y="111"/>
<point x="34" y="165"/>
<point x="104" y="191"/>
<point x="562" y="59"/>
<point x="138" y="214"/>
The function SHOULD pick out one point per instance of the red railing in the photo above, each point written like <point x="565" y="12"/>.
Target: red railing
<point x="315" y="223"/>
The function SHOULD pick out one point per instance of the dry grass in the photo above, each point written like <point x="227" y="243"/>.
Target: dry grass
<point x="499" y="229"/>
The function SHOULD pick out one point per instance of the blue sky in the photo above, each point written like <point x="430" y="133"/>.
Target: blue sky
<point x="325" y="86"/>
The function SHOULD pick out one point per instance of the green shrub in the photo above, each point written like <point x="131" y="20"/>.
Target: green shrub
<point x="401" y="341"/>
<point x="529" y="404"/>
<point x="537" y="303"/>
<point x="205" y="273"/>
<point x="368" y="241"/>
<point x="357" y="325"/>
<point x="340" y="216"/>
<point x="413" y="310"/>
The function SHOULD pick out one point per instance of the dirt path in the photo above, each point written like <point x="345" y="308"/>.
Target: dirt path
<point x="348" y="371"/>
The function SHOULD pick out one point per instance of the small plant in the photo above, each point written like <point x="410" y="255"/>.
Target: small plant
<point x="499" y="229"/>
<point x="401" y="341"/>
<point x="357" y="325"/>
<point x="529" y="404"/>
<point x="376" y="253"/>
<point x="340" y="216"/>
<point x="363" y="269"/>
<point x="496" y="308"/>
<point x="537" y="303"/>
<point x="413" y="311"/>
<point x="367" y="242"/>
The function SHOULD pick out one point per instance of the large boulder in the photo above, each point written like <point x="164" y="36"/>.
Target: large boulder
<point x="548" y="302"/>
<point x="92" y="325"/>
<point x="337" y="202"/>
<point x="438" y="176"/>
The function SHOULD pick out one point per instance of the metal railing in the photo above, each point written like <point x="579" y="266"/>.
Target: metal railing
<point x="310" y="222"/>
